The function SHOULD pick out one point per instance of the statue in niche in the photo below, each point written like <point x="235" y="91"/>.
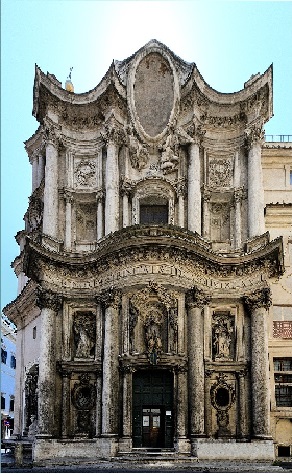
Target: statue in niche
<point x="153" y="336"/>
<point x="84" y="335"/>
<point x="169" y="157"/>
<point x="222" y="337"/>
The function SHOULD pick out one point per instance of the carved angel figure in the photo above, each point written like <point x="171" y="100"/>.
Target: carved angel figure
<point x="169" y="157"/>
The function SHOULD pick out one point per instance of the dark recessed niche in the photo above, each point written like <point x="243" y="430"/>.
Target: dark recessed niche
<point x="222" y="397"/>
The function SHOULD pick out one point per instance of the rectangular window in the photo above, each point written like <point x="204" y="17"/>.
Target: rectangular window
<point x="283" y="395"/>
<point x="34" y="332"/>
<point x="13" y="362"/>
<point x="153" y="214"/>
<point x="281" y="364"/>
<point x="3" y="356"/>
<point x="283" y="451"/>
<point x="2" y="402"/>
<point x="11" y="404"/>
<point x="291" y="178"/>
<point x="283" y="381"/>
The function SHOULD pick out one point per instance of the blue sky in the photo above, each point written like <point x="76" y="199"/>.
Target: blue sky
<point x="229" y="40"/>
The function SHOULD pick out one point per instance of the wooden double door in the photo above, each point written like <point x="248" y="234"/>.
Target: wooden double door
<point x="153" y="409"/>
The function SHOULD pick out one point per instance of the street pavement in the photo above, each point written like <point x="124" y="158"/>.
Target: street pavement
<point x="151" y="466"/>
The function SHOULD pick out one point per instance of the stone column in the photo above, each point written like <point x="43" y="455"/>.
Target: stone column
<point x="126" y="442"/>
<point x="35" y="164"/>
<point x="194" y="188"/>
<point x="41" y="167"/>
<point x="100" y="220"/>
<point x="195" y="301"/>
<point x="50" y="214"/>
<point x="68" y="222"/>
<point x="256" y="219"/>
<point x="98" y="403"/>
<point x="49" y="303"/>
<point x="242" y="411"/>
<point x="181" y="193"/>
<point x="113" y="138"/>
<point x="206" y="214"/>
<point x="181" y="408"/>
<point x="66" y="404"/>
<point x="110" y="370"/>
<point x="125" y="190"/>
<point x="238" y="194"/>
<point x="258" y="303"/>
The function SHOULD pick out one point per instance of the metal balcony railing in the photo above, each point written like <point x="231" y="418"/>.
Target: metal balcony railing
<point x="278" y="138"/>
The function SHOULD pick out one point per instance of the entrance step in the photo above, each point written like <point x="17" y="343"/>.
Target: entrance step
<point x="153" y="454"/>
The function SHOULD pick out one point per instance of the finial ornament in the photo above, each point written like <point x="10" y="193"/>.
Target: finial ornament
<point x="68" y="84"/>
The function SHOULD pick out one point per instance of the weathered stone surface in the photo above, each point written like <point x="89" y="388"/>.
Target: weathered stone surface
<point x="145" y="322"/>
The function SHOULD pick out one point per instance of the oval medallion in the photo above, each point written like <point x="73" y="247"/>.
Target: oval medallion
<point x="154" y="93"/>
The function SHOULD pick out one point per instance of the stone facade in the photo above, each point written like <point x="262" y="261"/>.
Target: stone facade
<point x="147" y="273"/>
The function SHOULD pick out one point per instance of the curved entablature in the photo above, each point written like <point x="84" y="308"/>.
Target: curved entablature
<point x="180" y="81"/>
<point x="173" y="241"/>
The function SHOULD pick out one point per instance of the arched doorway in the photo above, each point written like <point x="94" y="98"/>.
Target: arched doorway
<point x="153" y="409"/>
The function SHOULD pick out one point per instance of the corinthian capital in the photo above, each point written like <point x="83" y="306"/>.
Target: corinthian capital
<point x="114" y="133"/>
<point x="111" y="297"/>
<point x="258" y="299"/>
<point x="196" y="298"/>
<point x="254" y="135"/>
<point x="51" y="133"/>
<point x="48" y="299"/>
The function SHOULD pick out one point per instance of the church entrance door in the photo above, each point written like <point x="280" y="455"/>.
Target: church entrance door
<point x="153" y="409"/>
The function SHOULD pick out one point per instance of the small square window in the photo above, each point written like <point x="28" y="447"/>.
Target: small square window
<point x="284" y="451"/>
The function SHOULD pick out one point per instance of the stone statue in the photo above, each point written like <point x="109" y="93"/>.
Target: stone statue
<point x="169" y="157"/>
<point x="84" y="335"/>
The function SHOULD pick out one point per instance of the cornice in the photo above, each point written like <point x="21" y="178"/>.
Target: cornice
<point x="18" y="309"/>
<point x="47" y="89"/>
<point x="137" y="243"/>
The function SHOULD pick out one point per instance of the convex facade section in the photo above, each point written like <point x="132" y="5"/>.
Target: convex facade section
<point x="145" y="268"/>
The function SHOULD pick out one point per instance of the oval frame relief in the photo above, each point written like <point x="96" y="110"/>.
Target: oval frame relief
<point x="167" y="67"/>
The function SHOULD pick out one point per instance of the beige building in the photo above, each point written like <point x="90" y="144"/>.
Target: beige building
<point x="155" y="291"/>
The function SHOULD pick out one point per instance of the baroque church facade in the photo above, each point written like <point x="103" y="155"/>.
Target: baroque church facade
<point x="151" y="265"/>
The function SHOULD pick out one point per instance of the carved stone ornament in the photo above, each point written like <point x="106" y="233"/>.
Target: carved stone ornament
<point x="170" y="154"/>
<point x="222" y="397"/>
<point x="111" y="298"/>
<point x="113" y="132"/>
<point x="258" y="299"/>
<point x="219" y="173"/>
<point x="85" y="173"/>
<point x="52" y="135"/>
<point x="195" y="297"/>
<point x="83" y="393"/>
<point x="84" y="330"/>
<point x="35" y="212"/>
<point x="138" y="152"/>
<point x="48" y="299"/>
<point x="254" y="135"/>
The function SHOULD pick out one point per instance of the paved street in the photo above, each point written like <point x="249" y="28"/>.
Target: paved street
<point x="172" y="466"/>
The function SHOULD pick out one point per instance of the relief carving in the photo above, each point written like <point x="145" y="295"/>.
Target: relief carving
<point x="83" y="398"/>
<point x="170" y="154"/>
<point x="138" y="152"/>
<point x="48" y="299"/>
<point x="84" y="330"/>
<point x="35" y="212"/>
<point x="219" y="173"/>
<point x="222" y="397"/>
<point x="85" y="173"/>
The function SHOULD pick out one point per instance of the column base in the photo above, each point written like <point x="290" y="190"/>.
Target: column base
<point x="183" y="445"/>
<point x="125" y="444"/>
